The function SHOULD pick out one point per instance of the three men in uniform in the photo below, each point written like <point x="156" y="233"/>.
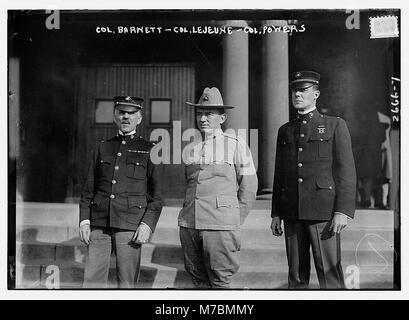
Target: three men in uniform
<point x="313" y="192"/>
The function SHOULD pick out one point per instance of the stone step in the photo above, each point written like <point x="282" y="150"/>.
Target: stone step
<point x="41" y="213"/>
<point x="377" y="256"/>
<point x="66" y="215"/>
<point x="261" y="278"/>
<point x="165" y="234"/>
<point x="274" y="256"/>
<point x="174" y="276"/>
<point x="351" y="238"/>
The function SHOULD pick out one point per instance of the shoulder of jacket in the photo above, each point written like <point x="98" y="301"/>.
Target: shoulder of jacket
<point x="287" y="124"/>
<point x="335" y="122"/>
<point x="333" y="118"/>
<point x="145" y="143"/>
<point x="100" y="143"/>
<point x="230" y="136"/>
<point x="109" y="139"/>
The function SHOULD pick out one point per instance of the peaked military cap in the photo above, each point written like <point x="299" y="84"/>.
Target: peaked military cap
<point x="304" y="79"/>
<point x="128" y="101"/>
<point x="211" y="98"/>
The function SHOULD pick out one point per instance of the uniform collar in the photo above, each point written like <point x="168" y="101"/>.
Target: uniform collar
<point x="215" y="134"/>
<point x="310" y="114"/>
<point x="307" y="111"/>
<point x="133" y="132"/>
<point x="128" y="136"/>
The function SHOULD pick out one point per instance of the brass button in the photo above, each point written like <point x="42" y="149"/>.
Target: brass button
<point x="113" y="181"/>
<point x="116" y="167"/>
<point x="302" y="135"/>
<point x="321" y="139"/>
<point x="112" y="196"/>
<point x="123" y="142"/>
<point x="300" y="149"/>
<point x="304" y="122"/>
<point x="300" y="165"/>
<point x="330" y="187"/>
<point x="300" y="180"/>
<point x="119" y="154"/>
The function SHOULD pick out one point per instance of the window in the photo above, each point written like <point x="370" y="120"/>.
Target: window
<point x="104" y="111"/>
<point x="160" y="111"/>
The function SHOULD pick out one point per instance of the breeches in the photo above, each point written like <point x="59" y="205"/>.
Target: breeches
<point x="210" y="256"/>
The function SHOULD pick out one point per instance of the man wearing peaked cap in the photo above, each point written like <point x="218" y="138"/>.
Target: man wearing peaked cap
<point x="221" y="186"/>
<point x="120" y="202"/>
<point x="304" y="79"/>
<point x="314" y="187"/>
<point x="128" y="101"/>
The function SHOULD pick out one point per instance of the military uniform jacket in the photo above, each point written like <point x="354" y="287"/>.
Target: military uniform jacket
<point x="221" y="184"/>
<point x="122" y="185"/>
<point x="314" y="169"/>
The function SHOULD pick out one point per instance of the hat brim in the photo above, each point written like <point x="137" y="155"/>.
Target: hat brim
<point x="302" y="85"/>
<point x="136" y="106"/>
<point x="209" y="106"/>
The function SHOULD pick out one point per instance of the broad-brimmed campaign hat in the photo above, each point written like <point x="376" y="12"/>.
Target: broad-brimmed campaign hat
<point x="211" y="98"/>
<point x="304" y="79"/>
<point x="135" y="102"/>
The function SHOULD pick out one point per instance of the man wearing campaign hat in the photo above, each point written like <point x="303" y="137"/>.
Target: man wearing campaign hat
<point x="120" y="202"/>
<point x="221" y="186"/>
<point x="314" y="187"/>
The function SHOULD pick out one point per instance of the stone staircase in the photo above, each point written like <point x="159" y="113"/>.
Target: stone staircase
<point x="50" y="255"/>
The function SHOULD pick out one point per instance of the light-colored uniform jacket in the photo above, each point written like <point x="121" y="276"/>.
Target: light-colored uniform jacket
<point x="221" y="184"/>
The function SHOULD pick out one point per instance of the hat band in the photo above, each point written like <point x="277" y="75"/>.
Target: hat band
<point x="128" y="104"/>
<point x="305" y="80"/>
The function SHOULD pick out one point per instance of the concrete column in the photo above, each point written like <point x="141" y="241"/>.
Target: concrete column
<point x="236" y="76"/>
<point x="275" y="111"/>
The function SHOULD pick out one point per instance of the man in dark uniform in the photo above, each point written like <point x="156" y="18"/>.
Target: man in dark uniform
<point x="120" y="202"/>
<point x="314" y="187"/>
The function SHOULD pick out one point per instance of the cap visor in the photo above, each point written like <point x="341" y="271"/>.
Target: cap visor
<point x="301" y="85"/>
<point x="124" y="105"/>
